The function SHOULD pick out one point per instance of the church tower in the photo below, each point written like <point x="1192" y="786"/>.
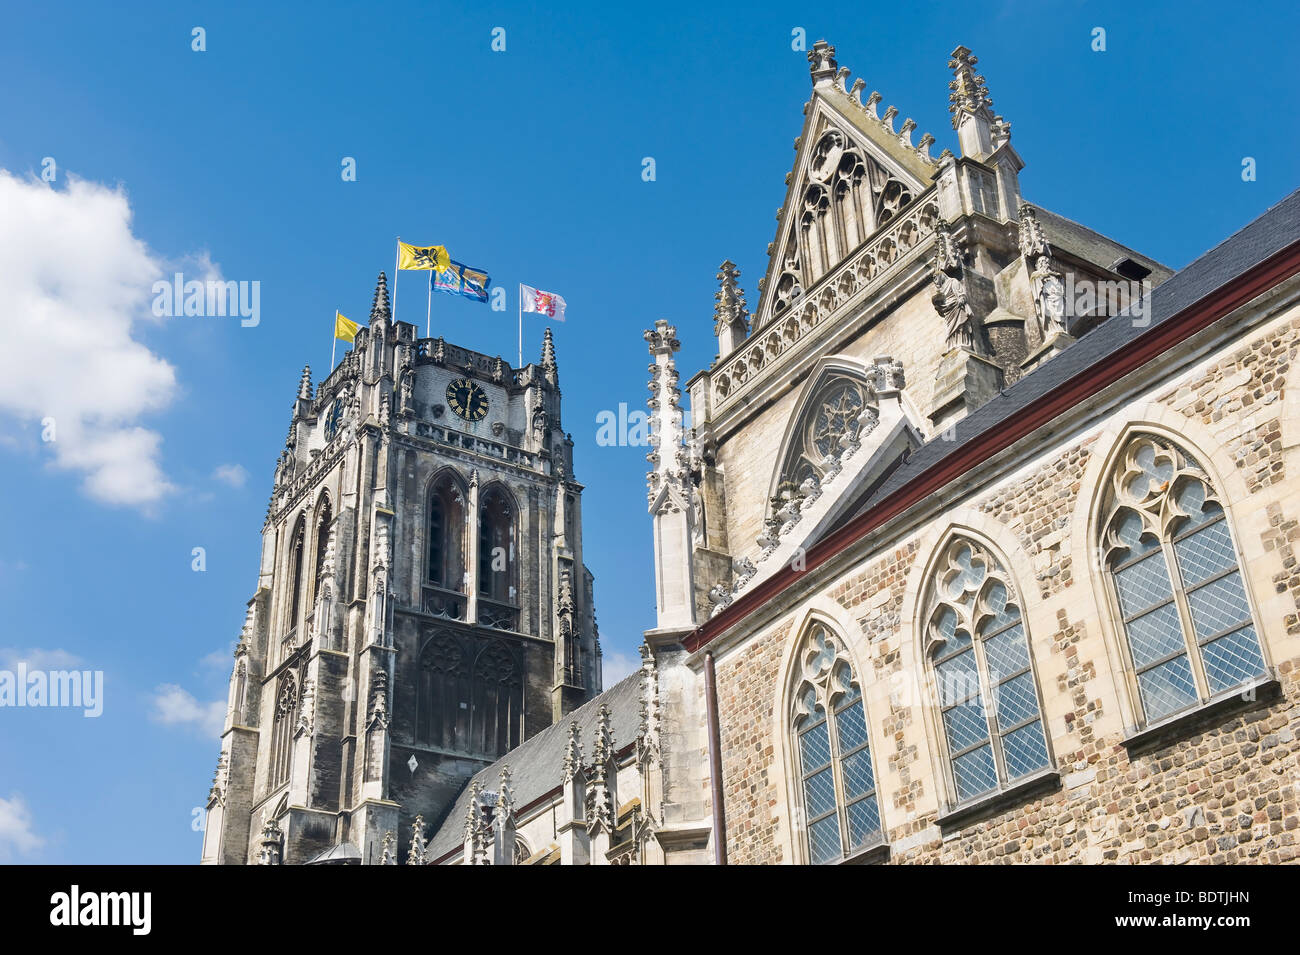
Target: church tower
<point x="422" y="605"/>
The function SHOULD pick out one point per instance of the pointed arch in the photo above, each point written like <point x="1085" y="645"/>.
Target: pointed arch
<point x="442" y="693"/>
<point x="284" y="715"/>
<point x="828" y="746"/>
<point x="497" y="700"/>
<point x="295" y="568"/>
<point x="985" y="699"/>
<point x="324" y="520"/>
<point x="1175" y="591"/>
<point x="446" y="505"/>
<point x="498" y="556"/>
<point x="838" y="390"/>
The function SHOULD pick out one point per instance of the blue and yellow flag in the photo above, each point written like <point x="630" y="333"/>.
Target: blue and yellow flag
<point x="459" y="279"/>
<point x="474" y="283"/>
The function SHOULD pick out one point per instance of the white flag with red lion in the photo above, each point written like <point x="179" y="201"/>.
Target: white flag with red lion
<point x="544" y="303"/>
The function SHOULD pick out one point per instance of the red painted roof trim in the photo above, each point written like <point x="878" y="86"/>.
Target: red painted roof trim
<point x="1150" y="345"/>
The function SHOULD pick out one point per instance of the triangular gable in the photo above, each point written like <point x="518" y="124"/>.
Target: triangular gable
<point x="852" y="174"/>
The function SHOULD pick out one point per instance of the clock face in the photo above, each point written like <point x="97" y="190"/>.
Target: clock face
<point x="333" y="419"/>
<point x="467" y="399"/>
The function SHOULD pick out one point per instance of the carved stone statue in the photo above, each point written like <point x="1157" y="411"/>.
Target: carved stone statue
<point x="406" y="399"/>
<point x="951" y="298"/>
<point x="1049" y="298"/>
<point x="952" y="302"/>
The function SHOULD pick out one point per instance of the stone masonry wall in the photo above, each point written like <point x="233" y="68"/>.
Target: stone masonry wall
<point x="1227" y="790"/>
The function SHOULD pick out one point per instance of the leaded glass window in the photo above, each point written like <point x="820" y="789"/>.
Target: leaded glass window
<point x="1176" y="581"/>
<point x="837" y="781"/>
<point x="989" y="709"/>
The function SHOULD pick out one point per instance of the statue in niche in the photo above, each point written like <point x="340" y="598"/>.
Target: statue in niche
<point x="1049" y="298"/>
<point x="952" y="302"/>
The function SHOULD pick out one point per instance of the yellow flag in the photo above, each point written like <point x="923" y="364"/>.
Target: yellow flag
<point x="415" y="257"/>
<point x="344" y="327"/>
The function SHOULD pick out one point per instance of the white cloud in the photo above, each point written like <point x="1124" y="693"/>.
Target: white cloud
<point x="233" y="474"/>
<point x="220" y="658"/>
<point x="174" y="706"/>
<point x="37" y="658"/>
<point x="615" y="666"/>
<point x="74" y="284"/>
<point x="16" y="831"/>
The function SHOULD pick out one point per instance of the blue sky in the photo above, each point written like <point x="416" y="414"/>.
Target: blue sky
<point x="525" y="162"/>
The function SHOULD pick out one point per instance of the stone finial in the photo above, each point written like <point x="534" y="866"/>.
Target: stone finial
<point x="647" y="739"/>
<point x="271" y="843"/>
<point x="505" y="807"/>
<point x="1033" y="242"/>
<point x="389" y="854"/>
<point x="572" y="754"/>
<point x="968" y="90"/>
<point x="667" y="434"/>
<point x="304" y="383"/>
<point x="549" y="367"/>
<point x="379" y="307"/>
<point x="600" y="796"/>
<point x="416" y="856"/>
<point x="821" y="63"/>
<point x="475" y="848"/>
<point x="731" y="310"/>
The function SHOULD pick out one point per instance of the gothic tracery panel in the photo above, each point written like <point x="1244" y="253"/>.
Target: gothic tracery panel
<point x="832" y="419"/>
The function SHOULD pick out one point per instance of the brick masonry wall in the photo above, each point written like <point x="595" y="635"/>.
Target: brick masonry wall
<point x="1226" y="792"/>
<point x="745" y="713"/>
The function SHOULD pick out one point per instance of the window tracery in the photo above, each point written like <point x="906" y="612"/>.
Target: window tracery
<point x="1176" y="580"/>
<point x="837" y="786"/>
<point x="990" y="715"/>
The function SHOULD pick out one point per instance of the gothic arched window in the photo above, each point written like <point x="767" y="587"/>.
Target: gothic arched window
<point x="989" y="711"/>
<point x="496" y="546"/>
<point x="446" y="537"/>
<point x="286" y="713"/>
<point x="1175" y="580"/>
<point x="297" y="547"/>
<point x="239" y="694"/>
<point x="497" y="701"/>
<point x="323" y="520"/>
<point x="837" y="782"/>
<point x="443" y="697"/>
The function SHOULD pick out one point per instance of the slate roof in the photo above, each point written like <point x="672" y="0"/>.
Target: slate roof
<point x="1273" y="231"/>
<point x="535" y="763"/>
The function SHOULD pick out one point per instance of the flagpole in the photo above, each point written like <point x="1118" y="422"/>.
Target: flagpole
<point x="428" y="311"/>
<point x="521" y="326"/>
<point x="335" y="343"/>
<point x="397" y="260"/>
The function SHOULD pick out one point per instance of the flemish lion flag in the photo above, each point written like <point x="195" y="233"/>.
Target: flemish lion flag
<point x="422" y="258"/>
<point x="344" y="327"/>
<point x="544" y="303"/>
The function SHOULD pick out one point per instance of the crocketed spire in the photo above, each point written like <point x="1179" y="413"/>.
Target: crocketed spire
<point x="379" y="307"/>
<point x="549" y="368"/>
